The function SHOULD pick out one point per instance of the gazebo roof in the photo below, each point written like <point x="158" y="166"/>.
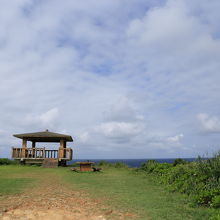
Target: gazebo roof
<point x="44" y="136"/>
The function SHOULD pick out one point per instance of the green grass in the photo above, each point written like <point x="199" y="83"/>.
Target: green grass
<point x="138" y="193"/>
<point x="14" y="179"/>
<point x="11" y="186"/>
<point x="120" y="188"/>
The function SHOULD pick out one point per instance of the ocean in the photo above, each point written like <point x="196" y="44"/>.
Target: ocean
<point x="131" y="162"/>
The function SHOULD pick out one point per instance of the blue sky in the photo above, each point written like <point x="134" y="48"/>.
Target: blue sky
<point x="127" y="79"/>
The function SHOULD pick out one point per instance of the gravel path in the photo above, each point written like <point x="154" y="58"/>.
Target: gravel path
<point x="51" y="199"/>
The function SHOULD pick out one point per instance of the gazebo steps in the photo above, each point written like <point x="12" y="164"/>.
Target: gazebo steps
<point x="50" y="163"/>
<point x="32" y="161"/>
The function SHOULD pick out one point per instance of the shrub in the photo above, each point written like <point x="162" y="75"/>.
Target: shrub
<point x="216" y="201"/>
<point x="5" y="161"/>
<point x="179" y="161"/>
<point x="162" y="168"/>
<point x="204" y="197"/>
<point x="73" y="165"/>
<point x="115" y="165"/>
<point x="215" y="216"/>
<point x="151" y="166"/>
<point x="119" y="165"/>
<point x="148" y="166"/>
<point x="102" y="163"/>
<point x="199" y="179"/>
<point x="210" y="167"/>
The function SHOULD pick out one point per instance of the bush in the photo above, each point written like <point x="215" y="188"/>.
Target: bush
<point x="216" y="201"/>
<point x="210" y="167"/>
<point x="115" y="165"/>
<point x="151" y="166"/>
<point x="73" y="165"/>
<point x="5" y="161"/>
<point x="205" y="197"/>
<point x="119" y="165"/>
<point x="215" y="217"/>
<point x="178" y="161"/>
<point x="200" y="180"/>
<point x="102" y="163"/>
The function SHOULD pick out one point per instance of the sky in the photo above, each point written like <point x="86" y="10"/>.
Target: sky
<point x="125" y="78"/>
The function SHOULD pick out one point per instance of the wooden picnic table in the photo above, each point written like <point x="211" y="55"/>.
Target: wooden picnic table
<point x="85" y="166"/>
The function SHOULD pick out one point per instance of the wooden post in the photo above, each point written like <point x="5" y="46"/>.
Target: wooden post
<point x="12" y="152"/>
<point x="24" y="147"/>
<point x="64" y="149"/>
<point x="33" y="148"/>
<point x="24" y="143"/>
<point x="61" y="148"/>
<point x="44" y="156"/>
<point x="71" y="154"/>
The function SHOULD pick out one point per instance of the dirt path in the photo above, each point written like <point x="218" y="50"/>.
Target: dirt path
<point x="53" y="200"/>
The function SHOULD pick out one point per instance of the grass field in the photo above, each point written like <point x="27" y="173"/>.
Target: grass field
<point x="13" y="179"/>
<point x="120" y="189"/>
<point x="137" y="193"/>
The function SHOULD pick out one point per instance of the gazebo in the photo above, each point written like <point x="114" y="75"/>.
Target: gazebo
<point x="40" y="155"/>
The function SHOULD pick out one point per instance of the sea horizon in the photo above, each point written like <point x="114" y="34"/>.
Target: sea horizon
<point x="135" y="162"/>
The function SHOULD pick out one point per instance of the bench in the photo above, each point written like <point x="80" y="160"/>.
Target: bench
<point x="97" y="169"/>
<point x="74" y="169"/>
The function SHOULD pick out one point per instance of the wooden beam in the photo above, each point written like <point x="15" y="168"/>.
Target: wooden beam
<point x="24" y="143"/>
<point x="62" y="144"/>
<point x="61" y="148"/>
<point x="24" y="146"/>
<point x="33" y="148"/>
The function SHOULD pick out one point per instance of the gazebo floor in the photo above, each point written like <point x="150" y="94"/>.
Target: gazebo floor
<point x="32" y="161"/>
<point x="45" y="162"/>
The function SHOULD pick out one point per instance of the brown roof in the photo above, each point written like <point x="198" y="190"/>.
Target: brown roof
<point x="44" y="136"/>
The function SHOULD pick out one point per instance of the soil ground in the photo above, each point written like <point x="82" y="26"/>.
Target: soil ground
<point x="53" y="199"/>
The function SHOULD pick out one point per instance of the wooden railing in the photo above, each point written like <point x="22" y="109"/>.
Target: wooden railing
<point x="41" y="153"/>
<point x="51" y="153"/>
<point x="65" y="153"/>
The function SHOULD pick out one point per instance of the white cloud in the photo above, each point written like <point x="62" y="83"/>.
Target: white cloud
<point x="123" y="110"/>
<point x="175" y="139"/>
<point x="119" y="129"/>
<point x="84" y="137"/>
<point x="47" y="119"/>
<point x="114" y="74"/>
<point x="209" y="124"/>
<point x="168" y="32"/>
